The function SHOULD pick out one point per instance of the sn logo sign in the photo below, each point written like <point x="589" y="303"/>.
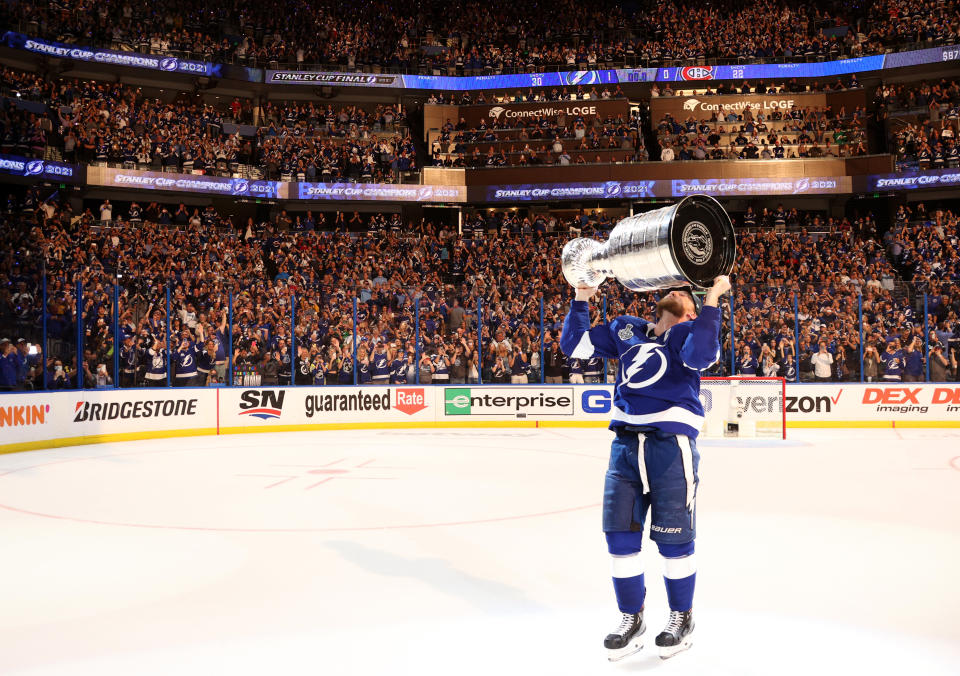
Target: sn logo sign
<point x="263" y="404"/>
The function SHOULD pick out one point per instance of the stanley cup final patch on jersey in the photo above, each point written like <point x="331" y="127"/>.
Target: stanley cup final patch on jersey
<point x="626" y="333"/>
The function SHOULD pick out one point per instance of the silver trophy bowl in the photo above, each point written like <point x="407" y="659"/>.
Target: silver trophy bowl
<point x="689" y="243"/>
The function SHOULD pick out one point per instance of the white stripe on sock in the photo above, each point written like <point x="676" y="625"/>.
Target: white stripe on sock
<point x="677" y="569"/>
<point x="630" y="565"/>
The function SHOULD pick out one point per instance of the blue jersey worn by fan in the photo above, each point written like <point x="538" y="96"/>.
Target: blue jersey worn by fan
<point x="656" y="416"/>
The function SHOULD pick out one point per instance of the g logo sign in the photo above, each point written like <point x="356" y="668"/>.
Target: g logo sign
<point x="596" y="401"/>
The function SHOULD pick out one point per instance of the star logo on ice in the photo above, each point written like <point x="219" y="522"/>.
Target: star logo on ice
<point x="642" y="365"/>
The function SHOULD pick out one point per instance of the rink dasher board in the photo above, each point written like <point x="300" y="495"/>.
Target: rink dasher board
<point x="65" y="418"/>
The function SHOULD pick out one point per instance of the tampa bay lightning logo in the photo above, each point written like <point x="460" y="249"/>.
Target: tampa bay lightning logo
<point x="612" y="189"/>
<point x="642" y="365"/>
<point x="425" y="193"/>
<point x="169" y="63"/>
<point x="802" y="185"/>
<point x="34" y="168"/>
<point x="579" y="77"/>
<point x="240" y="187"/>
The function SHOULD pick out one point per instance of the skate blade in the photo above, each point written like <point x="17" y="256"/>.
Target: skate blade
<point x="668" y="651"/>
<point x="635" y="646"/>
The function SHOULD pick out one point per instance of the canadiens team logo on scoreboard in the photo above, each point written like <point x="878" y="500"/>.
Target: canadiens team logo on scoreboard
<point x="696" y="73"/>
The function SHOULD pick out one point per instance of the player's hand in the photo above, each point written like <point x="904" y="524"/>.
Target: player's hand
<point x="585" y="292"/>
<point x="721" y="285"/>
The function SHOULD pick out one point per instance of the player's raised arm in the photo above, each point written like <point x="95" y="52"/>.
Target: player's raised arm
<point x="579" y="341"/>
<point x="702" y="346"/>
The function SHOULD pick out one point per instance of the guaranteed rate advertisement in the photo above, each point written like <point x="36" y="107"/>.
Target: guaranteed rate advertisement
<point x="268" y="408"/>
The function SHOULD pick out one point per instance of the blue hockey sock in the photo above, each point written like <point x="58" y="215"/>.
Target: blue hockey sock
<point x="628" y="582"/>
<point x="680" y="574"/>
<point x="630" y="592"/>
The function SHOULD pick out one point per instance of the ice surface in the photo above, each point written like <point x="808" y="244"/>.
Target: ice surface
<point x="468" y="552"/>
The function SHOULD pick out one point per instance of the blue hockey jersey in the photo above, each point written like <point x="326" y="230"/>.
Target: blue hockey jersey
<point x="658" y="378"/>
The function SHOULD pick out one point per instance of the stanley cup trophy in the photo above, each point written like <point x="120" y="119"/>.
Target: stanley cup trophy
<point x="691" y="242"/>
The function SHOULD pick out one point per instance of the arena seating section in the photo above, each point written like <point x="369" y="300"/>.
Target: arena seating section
<point x="463" y="37"/>
<point x="832" y="270"/>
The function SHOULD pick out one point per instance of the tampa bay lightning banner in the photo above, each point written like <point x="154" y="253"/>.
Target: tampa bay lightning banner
<point x="617" y="190"/>
<point x="170" y="64"/>
<point x="912" y="180"/>
<point x="378" y="192"/>
<point x="736" y="187"/>
<point x="552" y="192"/>
<point x="193" y="183"/>
<point x="32" y="168"/>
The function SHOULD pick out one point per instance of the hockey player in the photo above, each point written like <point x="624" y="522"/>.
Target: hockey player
<point x="656" y="417"/>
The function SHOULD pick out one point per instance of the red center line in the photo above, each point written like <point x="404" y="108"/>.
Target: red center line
<point x="339" y="529"/>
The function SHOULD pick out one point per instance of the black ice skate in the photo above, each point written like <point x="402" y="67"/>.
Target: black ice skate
<point x="627" y="638"/>
<point x="675" y="637"/>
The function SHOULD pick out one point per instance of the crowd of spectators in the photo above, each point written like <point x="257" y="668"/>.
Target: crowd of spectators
<point x="541" y="140"/>
<point x="310" y="143"/>
<point x="809" y="132"/>
<point x="504" y="262"/>
<point x="462" y="36"/>
<point x="100" y="122"/>
<point x="923" y="122"/>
